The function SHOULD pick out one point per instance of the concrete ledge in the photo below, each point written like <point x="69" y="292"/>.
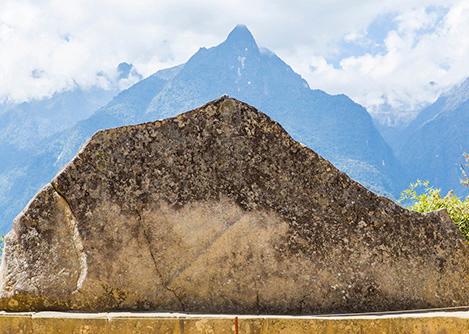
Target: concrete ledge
<point x="176" y="323"/>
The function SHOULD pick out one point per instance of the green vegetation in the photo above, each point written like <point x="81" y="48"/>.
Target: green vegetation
<point x="1" y="244"/>
<point x="421" y="197"/>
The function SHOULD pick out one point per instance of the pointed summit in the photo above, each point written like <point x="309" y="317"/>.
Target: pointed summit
<point x="241" y="37"/>
<point x="123" y="70"/>
<point x="126" y="71"/>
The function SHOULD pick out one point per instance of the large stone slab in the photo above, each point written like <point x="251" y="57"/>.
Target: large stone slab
<point x="219" y="210"/>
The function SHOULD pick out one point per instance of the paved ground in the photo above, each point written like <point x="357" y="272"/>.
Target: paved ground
<point x="416" y="322"/>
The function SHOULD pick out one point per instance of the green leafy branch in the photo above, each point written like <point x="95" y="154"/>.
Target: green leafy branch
<point x="422" y="197"/>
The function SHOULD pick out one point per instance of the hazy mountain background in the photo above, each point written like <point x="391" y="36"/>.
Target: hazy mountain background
<point x="431" y="147"/>
<point x="25" y="129"/>
<point x="333" y="125"/>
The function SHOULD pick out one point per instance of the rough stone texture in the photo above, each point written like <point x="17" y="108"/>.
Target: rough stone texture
<point x="219" y="210"/>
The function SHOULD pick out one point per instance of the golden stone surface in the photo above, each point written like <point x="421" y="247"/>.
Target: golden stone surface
<point x="143" y="323"/>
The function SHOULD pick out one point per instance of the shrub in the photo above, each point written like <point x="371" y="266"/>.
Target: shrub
<point x="421" y="197"/>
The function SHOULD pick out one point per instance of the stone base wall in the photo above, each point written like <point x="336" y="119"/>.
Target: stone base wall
<point x="143" y="323"/>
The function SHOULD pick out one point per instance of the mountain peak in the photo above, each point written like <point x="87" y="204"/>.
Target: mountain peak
<point x="240" y="36"/>
<point x="123" y="70"/>
<point x="127" y="71"/>
<point x="456" y="96"/>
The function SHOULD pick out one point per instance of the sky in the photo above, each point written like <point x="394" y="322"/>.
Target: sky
<point x="392" y="56"/>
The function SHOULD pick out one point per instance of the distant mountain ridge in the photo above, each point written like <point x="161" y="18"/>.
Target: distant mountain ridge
<point x="433" y="145"/>
<point x="26" y="129"/>
<point x="334" y="126"/>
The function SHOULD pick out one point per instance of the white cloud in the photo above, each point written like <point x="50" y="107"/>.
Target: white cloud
<point x="49" y="45"/>
<point x="422" y="57"/>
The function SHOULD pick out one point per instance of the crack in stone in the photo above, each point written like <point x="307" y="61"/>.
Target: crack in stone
<point x="258" y="301"/>
<point x="78" y="243"/>
<point x="155" y="263"/>
<point x="203" y="251"/>
<point x="302" y="300"/>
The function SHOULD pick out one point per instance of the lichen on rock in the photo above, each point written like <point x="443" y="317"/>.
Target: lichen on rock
<point x="219" y="210"/>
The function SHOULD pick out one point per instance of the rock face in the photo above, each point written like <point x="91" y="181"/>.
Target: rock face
<point x="220" y="210"/>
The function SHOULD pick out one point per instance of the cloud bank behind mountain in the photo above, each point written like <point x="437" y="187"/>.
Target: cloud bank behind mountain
<point x="387" y="55"/>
